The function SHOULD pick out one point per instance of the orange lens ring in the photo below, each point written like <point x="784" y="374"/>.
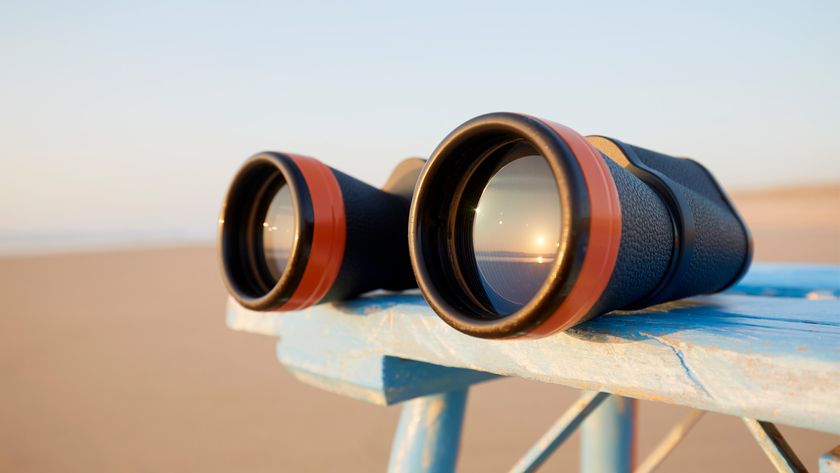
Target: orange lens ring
<point x="329" y="234"/>
<point x="604" y="236"/>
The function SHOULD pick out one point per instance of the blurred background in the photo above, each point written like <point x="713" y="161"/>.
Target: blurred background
<point x="123" y="121"/>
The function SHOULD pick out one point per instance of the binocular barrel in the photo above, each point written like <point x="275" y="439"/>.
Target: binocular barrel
<point x="295" y="232"/>
<point x="521" y="227"/>
<point x="517" y="227"/>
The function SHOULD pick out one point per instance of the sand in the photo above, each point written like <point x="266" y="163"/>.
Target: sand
<point x="121" y="361"/>
<point x="794" y="223"/>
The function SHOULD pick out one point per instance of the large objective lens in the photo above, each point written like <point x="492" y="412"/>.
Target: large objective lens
<point x="516" y="230"/>
<point x="279" y="228"/>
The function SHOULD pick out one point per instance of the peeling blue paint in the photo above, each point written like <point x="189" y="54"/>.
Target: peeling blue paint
<point x="688" y="372"/>
<point x="771" y="358"/>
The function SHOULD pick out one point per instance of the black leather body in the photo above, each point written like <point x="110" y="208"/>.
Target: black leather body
<point x="376" y="249"/>
<point x="716" y="250"/>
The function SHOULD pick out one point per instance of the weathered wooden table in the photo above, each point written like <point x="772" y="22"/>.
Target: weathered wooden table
<point x="768" y="351"/>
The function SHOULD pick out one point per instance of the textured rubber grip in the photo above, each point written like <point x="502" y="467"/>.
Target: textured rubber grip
<point x="721" y="248"/>
<point x="376" y="250"/>
<point x="688" y="242"/>
<point x="647" y="243"/>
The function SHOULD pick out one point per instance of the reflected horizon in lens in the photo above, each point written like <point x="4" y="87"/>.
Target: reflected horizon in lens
<point x="279" y="228"/>
<point x="516" y="230"/>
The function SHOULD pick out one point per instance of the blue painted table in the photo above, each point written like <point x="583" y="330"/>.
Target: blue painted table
<point x="768" y="349"/>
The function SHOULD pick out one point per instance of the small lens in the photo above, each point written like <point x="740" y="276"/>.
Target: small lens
<point x="279" y="228"/>
<point x="516" y="230"/>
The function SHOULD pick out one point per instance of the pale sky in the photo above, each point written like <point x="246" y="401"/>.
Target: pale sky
<point x="121" y="122"/>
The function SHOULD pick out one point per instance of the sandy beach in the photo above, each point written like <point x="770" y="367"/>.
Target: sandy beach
<point x="121" y="361"/>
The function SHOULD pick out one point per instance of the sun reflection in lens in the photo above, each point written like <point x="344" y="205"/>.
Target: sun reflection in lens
<point x="512" y="236"/>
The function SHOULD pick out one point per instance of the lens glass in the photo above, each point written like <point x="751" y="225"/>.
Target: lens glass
<point x="279" y="228"/>
<point x="516" y="229"/>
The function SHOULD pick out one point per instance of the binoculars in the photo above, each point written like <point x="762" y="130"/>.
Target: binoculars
<point x="515" y="227"/>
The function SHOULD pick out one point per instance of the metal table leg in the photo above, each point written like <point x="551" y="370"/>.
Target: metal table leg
<point x="429" y="434"/>
<point x="608" y="437"/>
